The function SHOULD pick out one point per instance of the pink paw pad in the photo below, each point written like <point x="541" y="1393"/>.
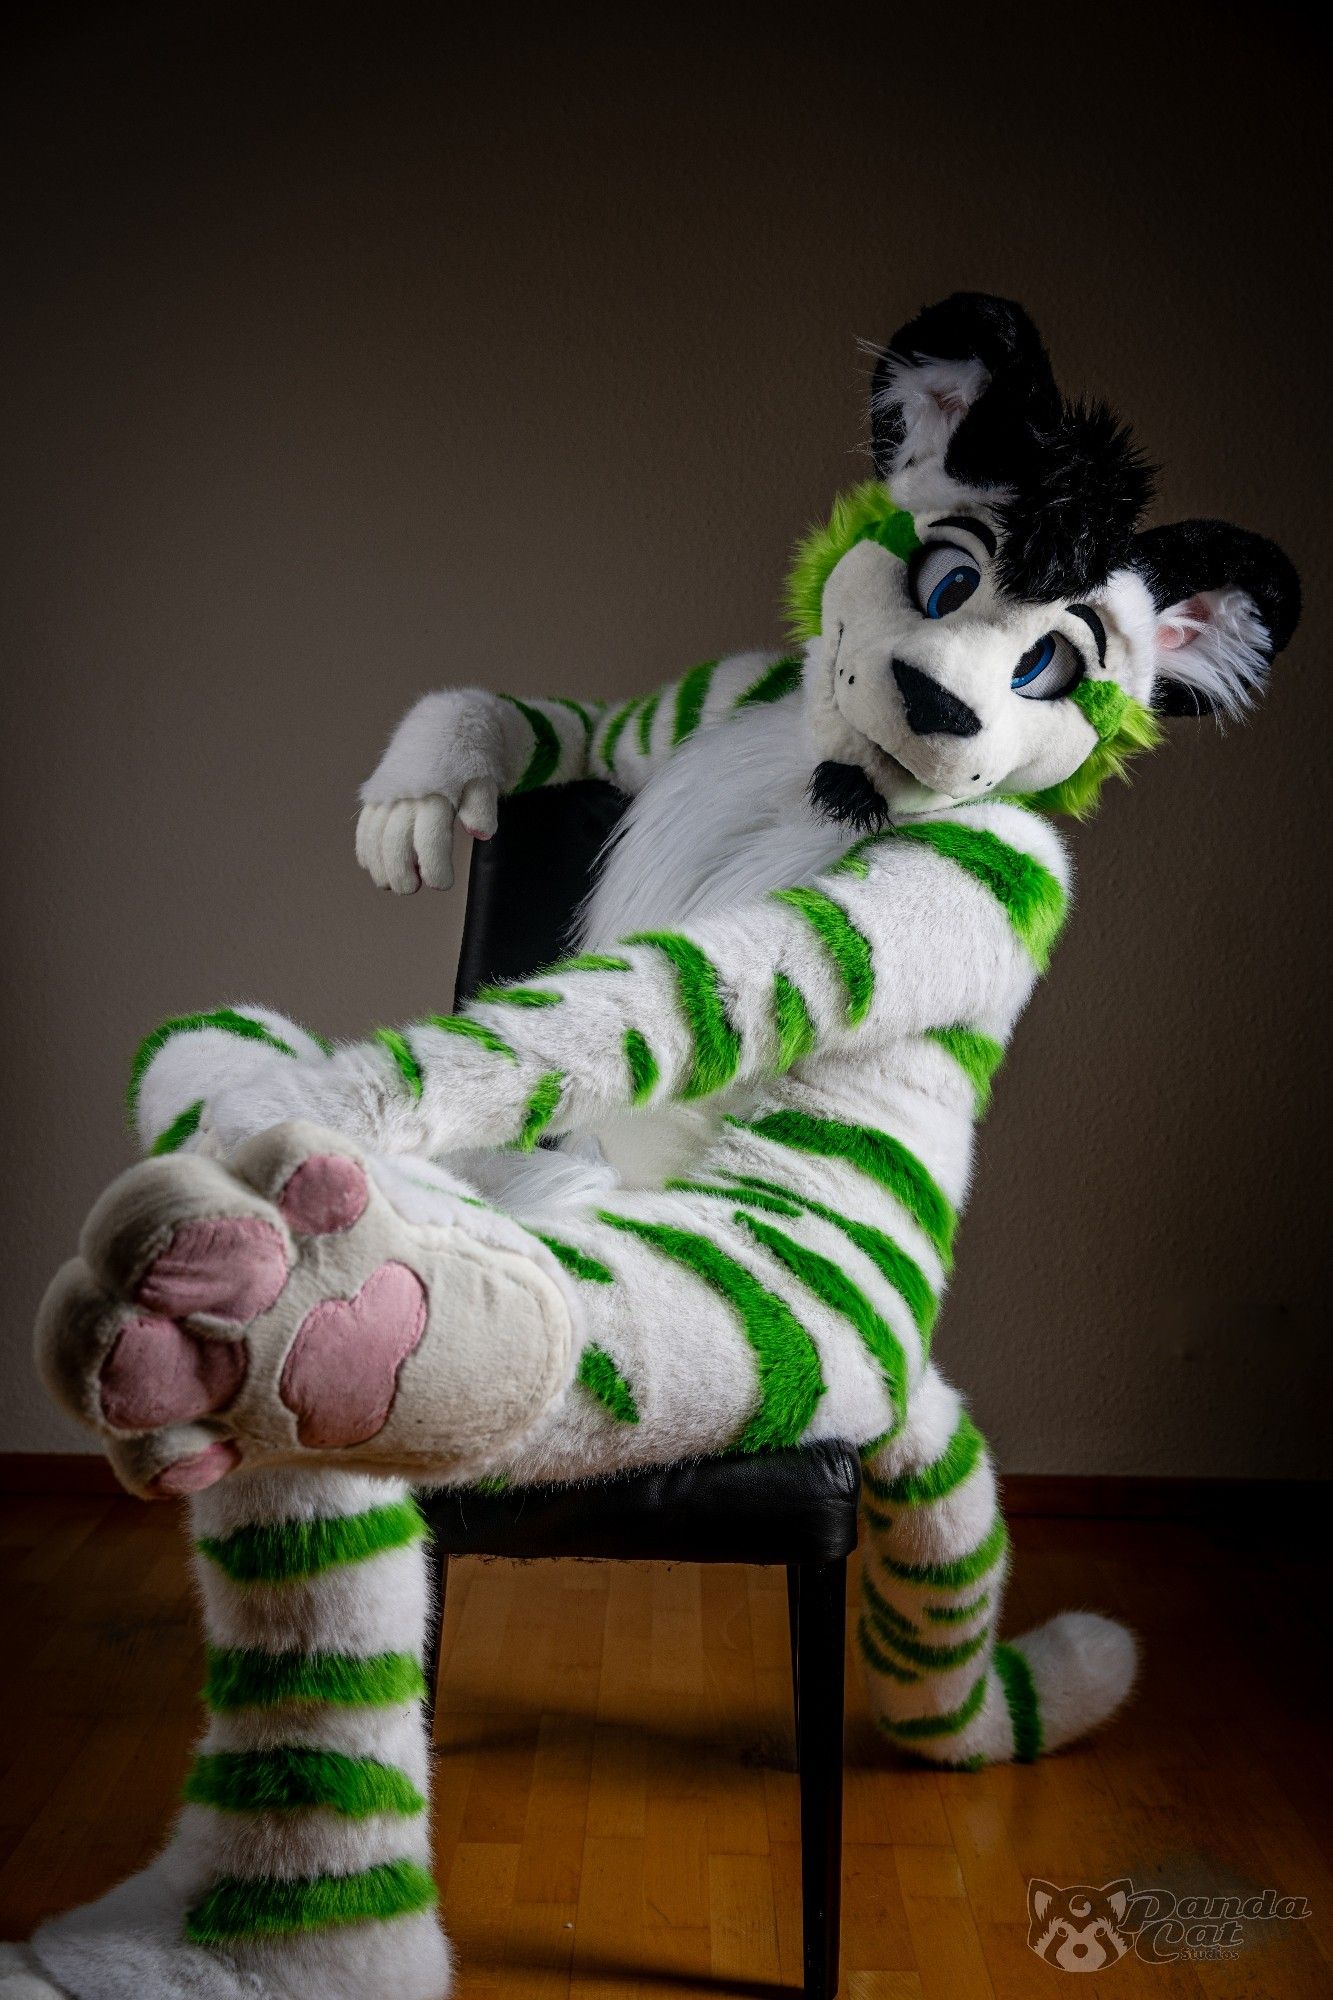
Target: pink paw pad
<point x="157" y="1374"/>
<point x="328" y="1192"/>
<point x="193" y="1474"/>
<point x="341" y="1376"/>
<point x="229" y="1267"/>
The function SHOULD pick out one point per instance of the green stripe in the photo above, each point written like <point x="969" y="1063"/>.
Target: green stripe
<point x="790" y="1380"/>
<point x="883" y="1159"/>
<point x="890" y="1260"/>
<point x="1031" y="897"/>
<point x="796" y="1031"/>
<point x="614" y="730"/>
<point x="244" y="1678"/>
<point x="477" y="1031"/>
<point x="289" y="1779"/>
<point x="935" y="1659"/>
<point x="954" y="1464"/>
<point x="782" y="678"/>
<point x="977" y="1055"/>
<point x="844" y="943"/>
<point x="879" y="1661"/>
<point x="958" y="1614"/>
<point x="546" y="747"/>
<point x="540" y="1109"/>
<point x="181" y="1128"/>
<point x="835" y="1290"/>
<point x="1020" y="1693"/>
<point x="589" y="961"/>
<point x="643" y="728"/>
<point x="643" y="1071"/>
<point x="269" y="1907"/>
<point x="771" y="1204"/>
<point x="602" y="1379"/>
<point x="224" y="1018"/>
<point x="399" y="1048"/>
<point x="950" y="1575"/>
<point x="717" y="1046"/>
<point x="916" y="1727"/>
<point x="691" y="695"/>
<point x="578" y="1263"/>
<point x="281" y="1551"/>
<point x="515" y="996"/>
<point x="589" y="721"/>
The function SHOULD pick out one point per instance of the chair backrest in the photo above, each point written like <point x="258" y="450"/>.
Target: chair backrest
<point x="528" y="881"/>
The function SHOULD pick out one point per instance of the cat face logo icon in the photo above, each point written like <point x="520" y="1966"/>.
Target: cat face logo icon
<point x="1079" y="1929"/>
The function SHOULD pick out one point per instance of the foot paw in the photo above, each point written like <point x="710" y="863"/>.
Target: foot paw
<point x="280" y="1307"/>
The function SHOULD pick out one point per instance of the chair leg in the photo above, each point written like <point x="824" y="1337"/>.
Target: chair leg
<point x="793" y="1636"/>
<point x="820" y="1642"/>
<point x="430" y="1665"/>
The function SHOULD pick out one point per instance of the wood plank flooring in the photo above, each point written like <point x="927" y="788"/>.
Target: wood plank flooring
<point x="616" y="1800"/>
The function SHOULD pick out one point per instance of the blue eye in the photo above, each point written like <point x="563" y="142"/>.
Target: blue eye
<point x="942" y="578"/>
<point x="1047" y="669"/>
<point x="1033" y="661"/>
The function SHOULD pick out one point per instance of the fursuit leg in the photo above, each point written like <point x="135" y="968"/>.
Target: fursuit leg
<point x="935" y="1561"/>
<point x="300" y="1867"/>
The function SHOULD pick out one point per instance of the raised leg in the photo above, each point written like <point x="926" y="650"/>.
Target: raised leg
<point x="283" y="1309"/>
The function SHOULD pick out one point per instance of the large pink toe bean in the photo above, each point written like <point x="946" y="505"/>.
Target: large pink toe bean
<point x="158" y="1374"/>
<point x="229" y="1267"/>
<point x="342" y="1373"/>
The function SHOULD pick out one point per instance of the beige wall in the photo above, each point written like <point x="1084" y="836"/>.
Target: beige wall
<point x="351" y="363"/>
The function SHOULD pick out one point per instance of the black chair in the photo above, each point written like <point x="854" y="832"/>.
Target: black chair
<point x="797" y="1508"/>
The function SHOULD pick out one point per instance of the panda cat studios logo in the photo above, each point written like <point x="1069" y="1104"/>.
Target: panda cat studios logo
<point x="1083" y="1929"/>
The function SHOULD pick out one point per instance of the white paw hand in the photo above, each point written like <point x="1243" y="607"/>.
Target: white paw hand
<point x="449" y="759"/>
<point x="410" y="841"/>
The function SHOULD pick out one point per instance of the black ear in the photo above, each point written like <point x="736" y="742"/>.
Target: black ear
<point x="965" y="382"/>
<point x="1226" y="602"/>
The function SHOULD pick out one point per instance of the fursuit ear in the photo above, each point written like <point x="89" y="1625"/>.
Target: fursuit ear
<point x="962" y="386"/>
<point x="1226" y="602"/>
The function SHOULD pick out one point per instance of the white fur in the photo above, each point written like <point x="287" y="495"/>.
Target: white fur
<point x="934" y="397"/>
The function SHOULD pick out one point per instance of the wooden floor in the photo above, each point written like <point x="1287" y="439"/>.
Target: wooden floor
<point x="615" y="1794"/>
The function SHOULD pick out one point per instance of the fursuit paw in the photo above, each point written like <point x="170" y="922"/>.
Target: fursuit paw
<point x="449" y="759"/>
<point x="280" y="1310"/>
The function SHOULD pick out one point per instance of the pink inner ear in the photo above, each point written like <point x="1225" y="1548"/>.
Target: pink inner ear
<point x="1180" y="625"/>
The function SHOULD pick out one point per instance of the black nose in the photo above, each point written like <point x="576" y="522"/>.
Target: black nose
<point x="931" y="710"/>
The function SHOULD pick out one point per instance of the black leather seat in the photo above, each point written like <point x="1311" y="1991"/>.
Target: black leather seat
<point x="797" y="1508"/>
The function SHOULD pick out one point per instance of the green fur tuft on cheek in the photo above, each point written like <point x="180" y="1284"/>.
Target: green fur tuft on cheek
<point x="1124" y="729"/>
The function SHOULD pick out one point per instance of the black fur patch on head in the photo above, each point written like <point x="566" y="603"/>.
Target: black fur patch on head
<point x="988" y="446"/>
<point x="844" y="793"/>
<point x="1077" y="500"/>
<point x="1179" y="561"/>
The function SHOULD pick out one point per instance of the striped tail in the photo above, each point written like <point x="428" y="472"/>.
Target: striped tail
<point x="306" y="1832"/>
<point x="936" y="1557"/>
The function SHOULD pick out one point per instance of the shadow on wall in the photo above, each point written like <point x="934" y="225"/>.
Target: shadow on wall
<point x="345" y="370"/>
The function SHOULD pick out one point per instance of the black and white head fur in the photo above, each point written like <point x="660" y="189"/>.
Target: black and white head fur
<point x="953" y="673"/>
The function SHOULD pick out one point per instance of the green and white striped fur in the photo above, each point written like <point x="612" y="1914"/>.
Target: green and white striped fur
<point x="302" y="1856"/>
<point x="833" y="1041"/>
